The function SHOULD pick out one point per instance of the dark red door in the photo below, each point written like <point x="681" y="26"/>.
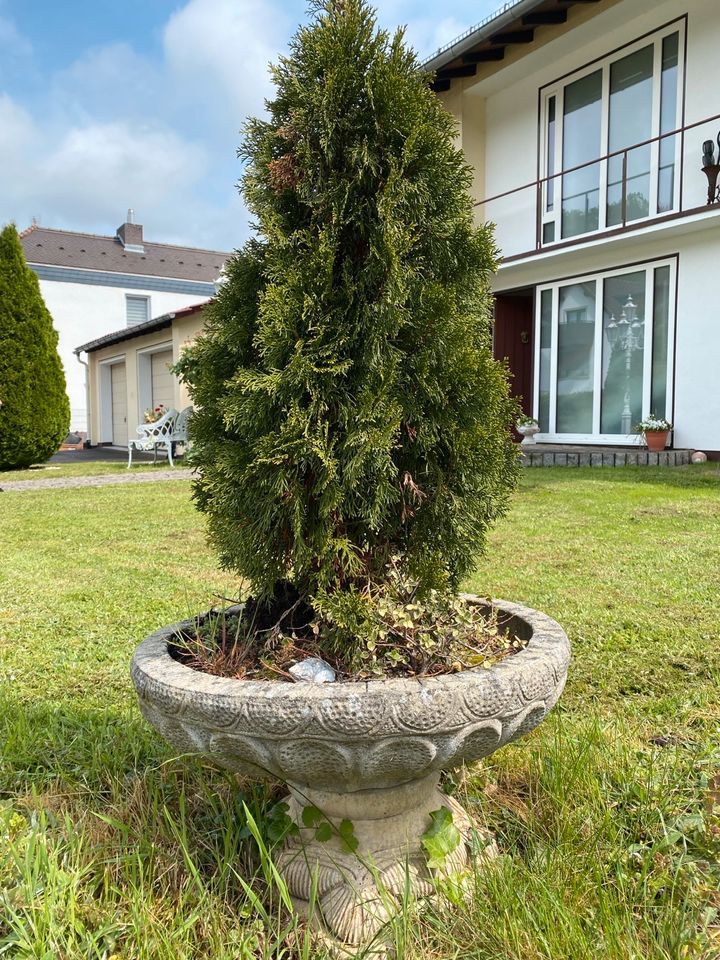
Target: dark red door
<point x="513" y="342"/>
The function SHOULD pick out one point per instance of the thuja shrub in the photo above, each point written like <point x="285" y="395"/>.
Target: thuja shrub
<point x="35" y="410"/>
<point x="351" y="421"/>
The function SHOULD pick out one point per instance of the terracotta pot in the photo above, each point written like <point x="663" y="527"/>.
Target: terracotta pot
<point x="656" y="440"/>
<point x="367" y="752"/>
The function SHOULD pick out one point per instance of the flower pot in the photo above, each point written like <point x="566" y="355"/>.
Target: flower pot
<point x="368" y="752"/>
<point x="656" y="440"/>
<point x="528" y="431"/>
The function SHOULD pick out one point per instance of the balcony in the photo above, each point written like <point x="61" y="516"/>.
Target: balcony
<point x="612" y="200"/>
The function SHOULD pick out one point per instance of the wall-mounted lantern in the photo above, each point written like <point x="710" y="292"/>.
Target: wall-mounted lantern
<point x="711" y="169"/>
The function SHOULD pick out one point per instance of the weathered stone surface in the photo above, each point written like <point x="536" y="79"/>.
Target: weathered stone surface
<point x="370" y="752"/>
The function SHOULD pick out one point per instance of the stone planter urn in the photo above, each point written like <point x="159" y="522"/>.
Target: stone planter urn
<point x="656" y="440"/>
<point x="368" y="752"/>
<point x="528" y="431"/>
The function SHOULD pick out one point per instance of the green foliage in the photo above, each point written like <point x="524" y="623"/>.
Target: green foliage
<point x="440" y="838"/>
<point x="612" y="842"/>
<point x="35" y="411"/>
<point x="314" y="818"/>
<point x="349" y="409"/>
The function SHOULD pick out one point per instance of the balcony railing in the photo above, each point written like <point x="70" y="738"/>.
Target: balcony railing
<point x="544" y="188"/>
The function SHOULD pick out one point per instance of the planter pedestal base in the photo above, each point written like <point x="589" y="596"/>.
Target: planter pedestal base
<point x="356" y="892"/>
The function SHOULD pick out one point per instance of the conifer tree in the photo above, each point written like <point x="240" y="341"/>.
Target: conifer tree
<point x="35" y="411"/>
<point x="349" y="412"/>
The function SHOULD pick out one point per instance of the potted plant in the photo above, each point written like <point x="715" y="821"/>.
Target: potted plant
<point x="528" y="427"/>
<point x="656" y="431"/>
<point x="353" y="443"/>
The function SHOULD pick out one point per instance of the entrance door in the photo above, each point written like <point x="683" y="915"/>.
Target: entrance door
<point x="118" y="387"/>
<point x="513" y="342"/>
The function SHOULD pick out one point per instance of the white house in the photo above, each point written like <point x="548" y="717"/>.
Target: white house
<point x="584" y="121"/>
<point x="94" y="284"/>
<point x="129" y="373"/>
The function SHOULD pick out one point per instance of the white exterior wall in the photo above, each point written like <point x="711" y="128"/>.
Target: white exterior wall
<point x="510" y="98"/>
<point x="507" y="97"/>
<point x="83" y="312"/>
<point x="696" y="406"/>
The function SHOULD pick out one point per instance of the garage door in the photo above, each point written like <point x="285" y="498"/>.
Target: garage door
<point x="118" y="383"/>
<point x="163" y="385"/>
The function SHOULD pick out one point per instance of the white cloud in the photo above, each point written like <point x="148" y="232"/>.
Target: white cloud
<point x="119" y="129"/>
<point x="218" y="52"/>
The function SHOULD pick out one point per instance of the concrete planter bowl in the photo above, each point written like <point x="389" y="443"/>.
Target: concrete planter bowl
<point x="367" y="752"/>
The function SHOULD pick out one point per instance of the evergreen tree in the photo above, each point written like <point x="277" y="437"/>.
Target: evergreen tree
<point x="349" y="412"/>
<point x="35" y="411"/>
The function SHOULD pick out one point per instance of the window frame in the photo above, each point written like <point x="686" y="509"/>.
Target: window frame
<point x="556" y="89"/>
<point x="598" y="277"/>
<point x="137" y="296"/>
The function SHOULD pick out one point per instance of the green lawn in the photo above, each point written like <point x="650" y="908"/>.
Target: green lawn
<point x="83" y="468"/>
<point x="110" y="846"/>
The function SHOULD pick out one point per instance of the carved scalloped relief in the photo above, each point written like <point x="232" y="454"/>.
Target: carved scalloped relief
<point x="536" y="680"/>
<point x="481" y="741"/>
<point x="399" y="759"/>
<point x="422" y="709"/>
<point x="165" y="699"/>
<point x="525" y="721"/>
<point x="224" y="712"/>
<point x="316" y="762"/>
<point x="486" y="695"/>
<point x="243" y="754"/>
<point x="278" y="716"/>
<point x="351" y="716"/>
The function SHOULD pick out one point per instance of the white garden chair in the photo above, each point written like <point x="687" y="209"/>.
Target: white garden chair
<point x="180" y="430"/>
<point x="150" y="436"/>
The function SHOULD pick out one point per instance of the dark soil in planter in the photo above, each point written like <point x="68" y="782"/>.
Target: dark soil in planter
<point x="262" y="641"/>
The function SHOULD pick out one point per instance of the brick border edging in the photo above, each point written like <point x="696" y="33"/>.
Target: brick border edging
<point x="633" y="458"/>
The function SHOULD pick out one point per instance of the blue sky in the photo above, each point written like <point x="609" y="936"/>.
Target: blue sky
<point x="110" y="104"/>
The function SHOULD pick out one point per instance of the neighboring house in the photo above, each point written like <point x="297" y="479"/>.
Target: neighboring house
<point x="128" y="373"/>
<point x="92" y="284"/>
<point x="584" y="123"/>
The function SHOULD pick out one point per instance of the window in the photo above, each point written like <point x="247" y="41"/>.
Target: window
<point x="604" y="352"/>
<point x="610" y="109"/>
<point x="137" y="310"/>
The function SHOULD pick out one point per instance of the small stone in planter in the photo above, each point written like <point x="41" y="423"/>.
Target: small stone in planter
<point x="314" y="670"/>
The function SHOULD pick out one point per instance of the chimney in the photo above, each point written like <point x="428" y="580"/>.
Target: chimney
<point x="130" y="234"/>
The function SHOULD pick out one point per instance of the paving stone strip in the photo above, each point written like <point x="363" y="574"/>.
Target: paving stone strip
<point x="61" y="483"/>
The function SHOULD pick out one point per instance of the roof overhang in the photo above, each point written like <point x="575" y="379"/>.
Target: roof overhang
<point x="514" y="24"/>
<point x="138" y="329"/>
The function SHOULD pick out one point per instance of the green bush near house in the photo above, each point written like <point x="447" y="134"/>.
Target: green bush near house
<point x="35" y="411"/>
<point x="350" y="414"/>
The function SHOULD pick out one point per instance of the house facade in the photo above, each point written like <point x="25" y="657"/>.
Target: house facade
<point x="593" y="129"/>
<point x="92" y="284"/>
<point x="129" y="373"/>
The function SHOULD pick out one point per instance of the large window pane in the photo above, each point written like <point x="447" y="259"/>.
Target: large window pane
<point x="661" y="316"/>
<point x="545" y="359"/>
<point x="630" y="121"/>
<point x="623" y="347"/>
<point x="668" y="121"/>
<point x="581" y="142"/>
<point x="575" y="358"/>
